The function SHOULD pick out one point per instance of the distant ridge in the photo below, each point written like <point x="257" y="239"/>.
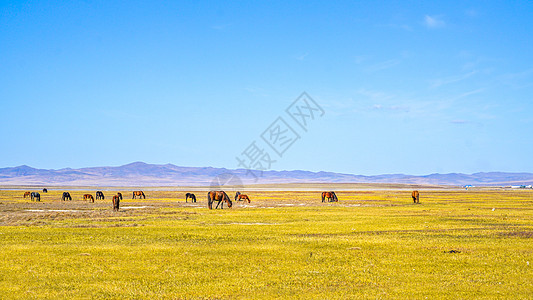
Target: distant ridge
<point x="143" y="174"/>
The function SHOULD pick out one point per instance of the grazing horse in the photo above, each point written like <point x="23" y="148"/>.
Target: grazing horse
<point x="27" y="194"/>
<point x="116" y="202"/>
<point x="139" y="193"/>
<point x="119" y="194"/>
<point x="88" y="197"/>
<point x="218" y="196"/>
<point x="66" y="196"/>
<point x="416" y="196"/>
<point x="45" y="191"/>
<point x="190" y="195"/>
<point x="100" y="195"/>
<point x="35" y="196"/>
<point x="243" y="197"/>
<point x="330" y="196"/>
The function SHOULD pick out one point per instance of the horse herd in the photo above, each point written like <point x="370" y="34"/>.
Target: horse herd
<point x="213" y="196"/>
<point x="35" y="196"/>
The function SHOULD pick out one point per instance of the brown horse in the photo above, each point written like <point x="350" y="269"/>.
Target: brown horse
<point x="140" y="194"/>
<point x="330" y="196"/>
<point x="27" y="194"/>
<point x="119" y="194"/>
<point x="88" y="197"/>
<point x="416" y="196"/>
<point x="190" y="195"/>
<point x="218" y="196"/>
<point x="244" y="197"/>
<point x="116" y="202"/>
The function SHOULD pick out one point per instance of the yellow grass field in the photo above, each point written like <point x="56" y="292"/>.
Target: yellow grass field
<point x="455" y="244"/>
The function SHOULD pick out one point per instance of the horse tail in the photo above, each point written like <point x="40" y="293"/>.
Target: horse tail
<point x="209" y="201"/>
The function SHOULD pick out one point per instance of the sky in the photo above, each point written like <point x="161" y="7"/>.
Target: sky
<point x="413" y="87"/>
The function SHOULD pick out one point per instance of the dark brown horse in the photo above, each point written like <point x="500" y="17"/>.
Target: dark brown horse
<point x="88" y="197"/>
<point x="190" y="195"/>
<point x="416" y="196"/>
<point x="330" y="196"/>
<point x="66" y="196"/>
<point x="140" y="194"/>
<point x="119" y="194"/>
<point x="244" y="197"/>
<point x="116" y="202"/>
<point x="27" y="194"/>
<point x="100" y="195"/>
<point x="35" y="196"/>
<point x="45" y="191"/>
<point x="237" y="195"/>
<point x="218" y="196"/>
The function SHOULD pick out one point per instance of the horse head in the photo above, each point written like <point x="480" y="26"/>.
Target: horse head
<point x="227" y="199"/>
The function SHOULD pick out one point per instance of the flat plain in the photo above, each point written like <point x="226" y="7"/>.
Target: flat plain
<point x="373" y="243"/>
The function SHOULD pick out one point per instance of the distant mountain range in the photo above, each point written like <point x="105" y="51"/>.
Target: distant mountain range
<point x="142" y="174"/>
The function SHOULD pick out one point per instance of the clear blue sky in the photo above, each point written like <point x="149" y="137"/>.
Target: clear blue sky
<point x="407" y="87"/>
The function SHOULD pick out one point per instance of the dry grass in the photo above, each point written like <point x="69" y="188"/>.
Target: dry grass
<point x="284" y="244"/>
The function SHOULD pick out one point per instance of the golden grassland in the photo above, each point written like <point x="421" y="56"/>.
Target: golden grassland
<point x="371" y="244"/>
